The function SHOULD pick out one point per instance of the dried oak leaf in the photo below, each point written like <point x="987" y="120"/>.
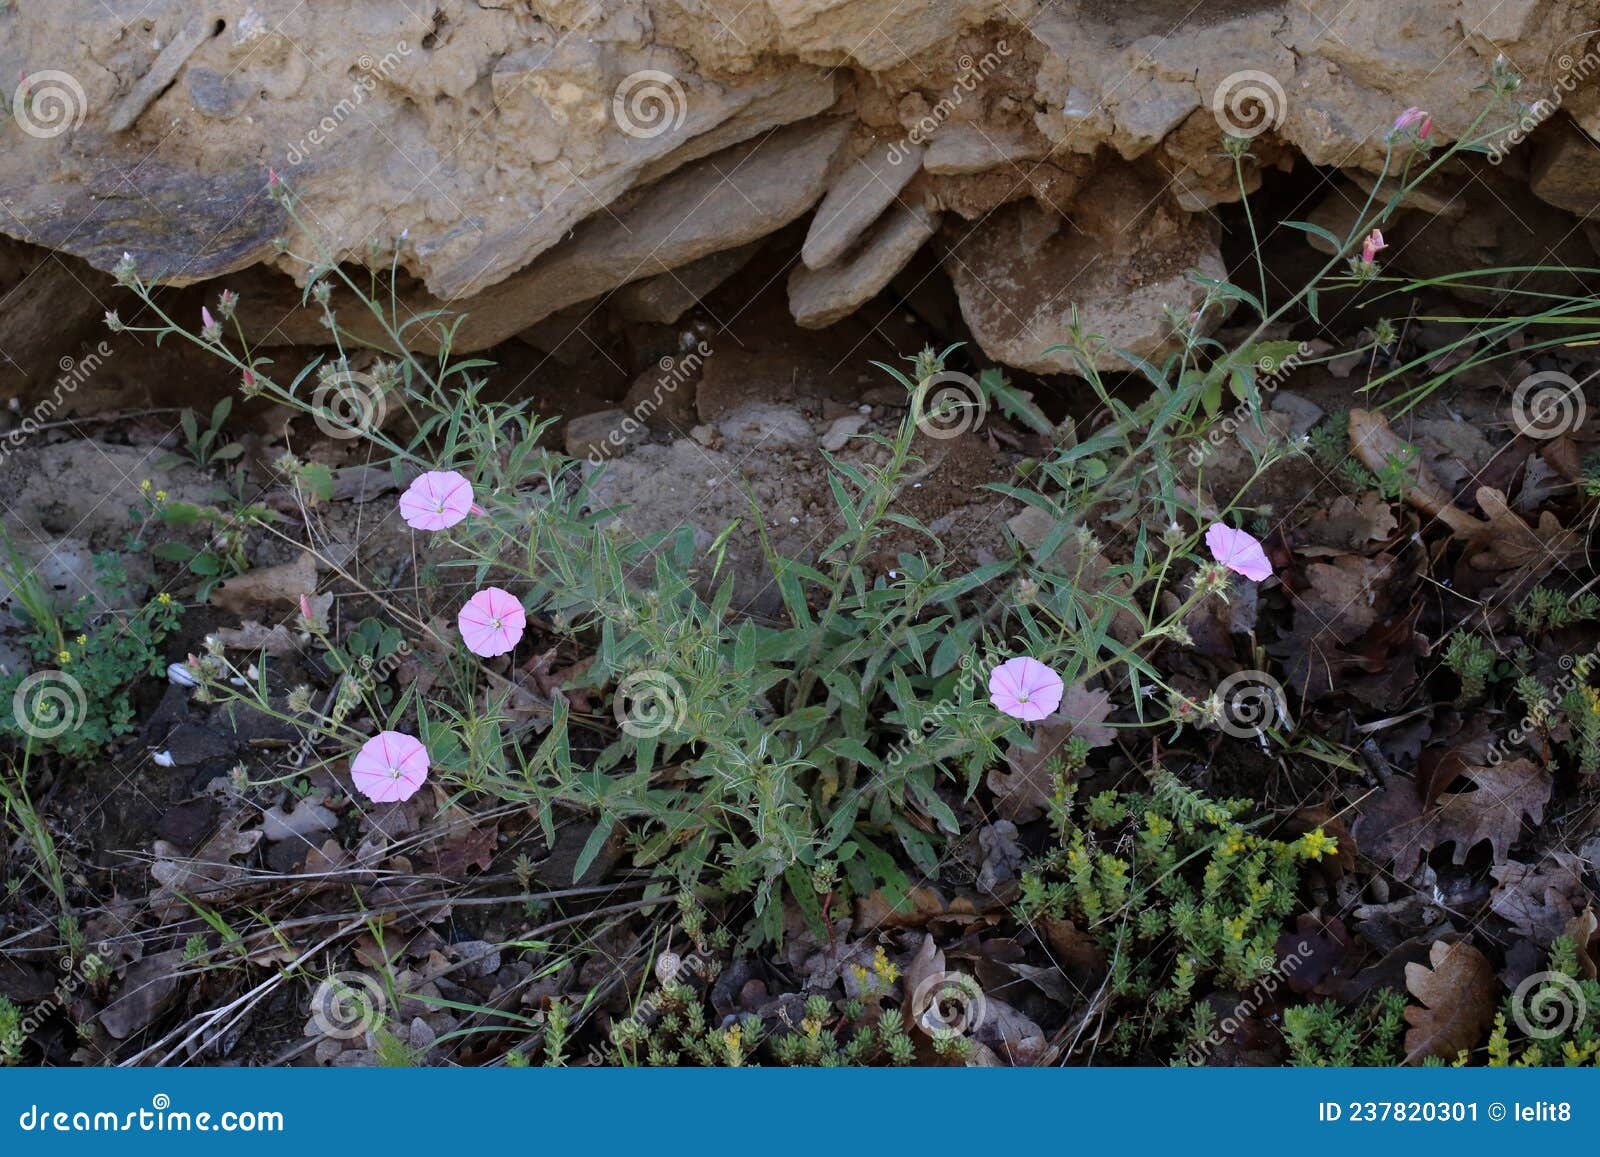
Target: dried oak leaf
<point x="1394" y="825"/>
<point x="1349" y="525"/>
<point x="1540" y="901"/>
<point x="1456" y="995"/>
<point x="1380" y="448"/>
<point x="1507" y="542"/>
<point x="1024" y="793"/>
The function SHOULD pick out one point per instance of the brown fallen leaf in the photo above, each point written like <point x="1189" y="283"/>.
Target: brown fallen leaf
<point x="1349" y="525"/>
<point x="1024" y="793"/>
<point x="1583" y="930"/>
<point x="149" y="988"/>
<point x="1394" y="825"/>
<point x="1540" y="901"/>
<point x="1506" y="542"/>
<point x="1379" y="448"/>
<point x="260" y="593"/>
<point x="1456" y="992"/>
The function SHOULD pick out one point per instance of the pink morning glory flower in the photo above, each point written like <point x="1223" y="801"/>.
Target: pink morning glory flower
<point x="390" y="767"/>
<point x="1240" y="552"/>
<point x="491" y="623"/>
<point x="1370" y="247"/>
<point x="1025" y="688"/>
<point x="437" y="500"/>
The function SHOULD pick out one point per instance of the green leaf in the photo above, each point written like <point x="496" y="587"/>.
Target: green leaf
<point x="591" y="848"/>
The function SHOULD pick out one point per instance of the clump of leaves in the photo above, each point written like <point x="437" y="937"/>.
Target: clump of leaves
<point x="206" y="447"/>
<point x="11" y="1038"/>
<point x="75" y="701"/>
<point x="1550" y="610"/>
<point x="1326" y="1034"/>
<point x="1176" y="890"/>
<point x="1552" y="1018"/>
<point x="1472" y="660"/>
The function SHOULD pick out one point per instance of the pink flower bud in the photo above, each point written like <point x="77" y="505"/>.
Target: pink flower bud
<point x="1370" y="247"/>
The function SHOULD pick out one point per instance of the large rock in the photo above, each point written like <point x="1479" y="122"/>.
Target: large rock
<point x="1122" y="264"/>
<point x="500" y="154"/>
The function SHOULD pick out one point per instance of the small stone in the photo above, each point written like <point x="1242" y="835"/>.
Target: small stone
<point x="838" y="435"/>
<point x="604" y="434"/>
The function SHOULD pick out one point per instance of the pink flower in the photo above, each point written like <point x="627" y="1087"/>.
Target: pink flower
<point x="1240" y="552"/>
<point x="491" y="623"/>
<point x="1025" y="688"/>
<point x="437" y="500"/>
<point x="1413" y="117"/>
<point x="390" y="767"/>
<point x="1370" y="247"/>
<point x="206" y="319"/>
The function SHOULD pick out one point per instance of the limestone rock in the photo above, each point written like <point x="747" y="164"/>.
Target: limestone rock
<point x="820" y="297"/>
<point x="857" y="199"/>
<point x="1121" y="262"/>
<point x="665" y="298"/>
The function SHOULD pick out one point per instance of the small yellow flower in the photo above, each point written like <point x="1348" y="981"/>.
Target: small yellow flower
<point x="163" y="598"/>
<point x="161" y="495"/>
<point x="82" y="639"/>
<point x="1317" y="844"/>
<point x="64" y="657"/>
<point x="145" y="486"/>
